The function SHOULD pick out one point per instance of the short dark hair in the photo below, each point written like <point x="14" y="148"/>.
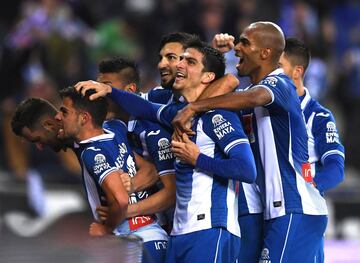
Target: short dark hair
<point x="177" y="37"/>
<point x="297" y="52"/>
<point x="213" y="60"/>
<point x="127" y="69"/>
<point x="29" y="112"/>
<point x="97" y="108"/>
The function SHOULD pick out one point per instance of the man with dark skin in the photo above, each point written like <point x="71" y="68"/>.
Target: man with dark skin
<point x="293" y="227"/>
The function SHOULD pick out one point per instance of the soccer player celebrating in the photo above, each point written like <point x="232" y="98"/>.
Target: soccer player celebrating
<point x="205" y="226"/>
<point x="326" y="153"/>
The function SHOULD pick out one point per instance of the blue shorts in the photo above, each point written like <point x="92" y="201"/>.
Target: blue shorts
<point x="252" y="237"/>
<point x="293" y="238"/>
<point x="154" y="251"/>
<point x="210" y="245"/>
<point x="320" y="257"/>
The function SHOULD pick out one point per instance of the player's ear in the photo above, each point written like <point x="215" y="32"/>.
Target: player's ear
<point x="131" y="88"/>
<point x="265" y="53"/>
<point x="84" y="117"/>
<point x="48" y="124"/>
<point x="298" y="72"/>
<point x="208" y="77"/>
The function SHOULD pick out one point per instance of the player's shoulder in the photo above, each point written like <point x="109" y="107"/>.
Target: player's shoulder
<point x="158" y="95"/>
<point x="219" y="116"/>
<point x="115" y="125"/>
<point x="276" y="78"/>
<point x="319" y="110"/>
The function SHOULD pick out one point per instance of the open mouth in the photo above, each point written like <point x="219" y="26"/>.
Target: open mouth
<point x="179" y="76"/>
<point x="241" y="60"/>
<point x="61" y="133"/>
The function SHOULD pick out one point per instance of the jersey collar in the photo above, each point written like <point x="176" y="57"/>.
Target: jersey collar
<point x="306" y="99"/>
<point x="105" y="136"/>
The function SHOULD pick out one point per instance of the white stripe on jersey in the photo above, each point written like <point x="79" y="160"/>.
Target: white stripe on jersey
<point x="185" y="218"/>
<point x="234" y="143"/>
<point x="330" y="153"/>
<point x="252" y="197"/>
<point x="145" y="152"/>
<point x="92" y="193"/>
<point x="233" y="207"/>
<point x="267" y="150"/>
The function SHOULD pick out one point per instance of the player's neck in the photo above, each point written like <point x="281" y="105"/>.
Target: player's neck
<point x="193" y="94"/>
<point x="89" y="132"/>
<point x="257" y="76"/>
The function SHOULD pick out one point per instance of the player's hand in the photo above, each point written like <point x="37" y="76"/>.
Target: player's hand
<point x="182" y="123"/>
<point x="126" y="180"/>
<point x="101" y="89"/>
<point x="103" y="212"/>
<point x="223" y="42"/>
<point x="98" y="230"/>
<point x="186" y="150"/>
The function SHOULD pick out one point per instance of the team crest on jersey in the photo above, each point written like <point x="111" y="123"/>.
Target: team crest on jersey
<point x="269" y="81"/>
<point x="331" y="133"/>
<point x="221" y="126"/>
<point x="217" y="120"/>
<point x="265" y="256"/>
<point x="164" y="150"/>
<point x="100" y="163"/>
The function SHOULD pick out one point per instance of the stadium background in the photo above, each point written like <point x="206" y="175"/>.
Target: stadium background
<point x="49" y="44"/>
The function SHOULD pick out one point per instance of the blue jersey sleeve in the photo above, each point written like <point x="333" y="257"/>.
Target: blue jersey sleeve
<point x="326" y="136"/>
<point x="330" y="174"/>
<point x="135" y="105"/>
<point x="167" y="113"/>
<point x="158" y="142"/>
<point x="225" y="129"/>
<point x="282" y="91"/>
<point x="159" y="95"/>
<point x="98" y="163"/>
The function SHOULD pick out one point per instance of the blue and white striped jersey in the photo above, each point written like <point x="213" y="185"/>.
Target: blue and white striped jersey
<point x="205" y="200"/>
<point x="323" y="142"/>
<point x="279" y="143"/>
<point x="102" y="155"/>
<point x="249" y="195"/>
<point x="153" y="142"/>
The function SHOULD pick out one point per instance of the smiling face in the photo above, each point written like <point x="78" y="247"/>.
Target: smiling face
<point x="248" y="51"/>
<point x="169" y="57"/>
<point x="190" y="72"/>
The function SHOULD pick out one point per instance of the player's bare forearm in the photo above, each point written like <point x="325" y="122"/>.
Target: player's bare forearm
<point x="233" y="101"/>
<point x="146" y="176"/>
<point x="221" y="86"/>
<point x="117" y="214"/>
<point x="117" y="199"/>
<point x="158" y="202"/>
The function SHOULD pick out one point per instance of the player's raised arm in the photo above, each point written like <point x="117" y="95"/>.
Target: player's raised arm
<point x="223" y="42"/>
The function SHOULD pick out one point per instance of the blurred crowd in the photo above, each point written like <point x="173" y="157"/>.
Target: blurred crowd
<point x="50" y="44"/>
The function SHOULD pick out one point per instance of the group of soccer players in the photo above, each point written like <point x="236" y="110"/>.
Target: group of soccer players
<point x="253" y="163"/>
